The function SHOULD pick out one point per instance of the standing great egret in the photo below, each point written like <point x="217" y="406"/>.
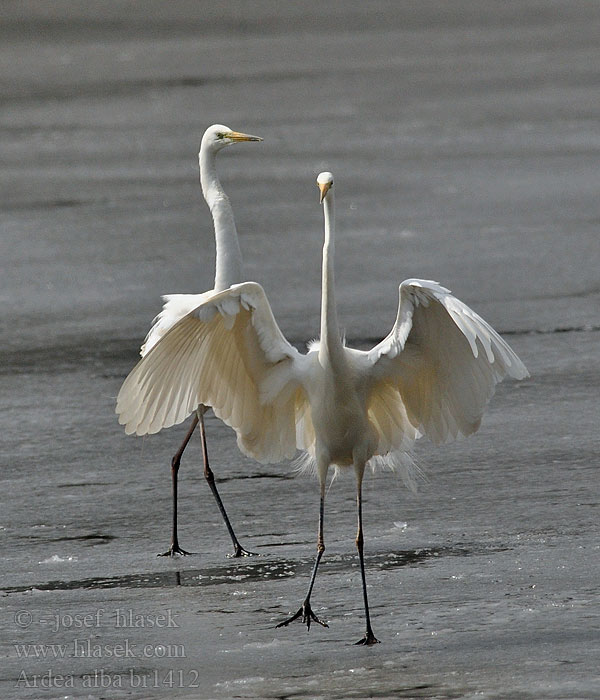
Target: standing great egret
<point x="228" y="270"/>
<point x="433" y="374"/>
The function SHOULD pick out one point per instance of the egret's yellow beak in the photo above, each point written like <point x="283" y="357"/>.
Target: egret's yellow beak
<point x="324" y="189"/>
<point x="238" y="136"/>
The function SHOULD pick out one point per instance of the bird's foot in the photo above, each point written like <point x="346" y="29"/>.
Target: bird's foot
<point x="173" y="550"/>
<point x="307" y="614"/>
<point x="241" y="552"/>
<point x="368" y="639"/>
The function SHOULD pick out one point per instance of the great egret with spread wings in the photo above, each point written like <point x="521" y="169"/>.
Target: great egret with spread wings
<point x="433" y="374"/>
<point x="228" y="270"/>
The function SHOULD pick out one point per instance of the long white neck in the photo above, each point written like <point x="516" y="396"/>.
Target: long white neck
<point x="228" y="263"/>
<point x="331" y="347"/>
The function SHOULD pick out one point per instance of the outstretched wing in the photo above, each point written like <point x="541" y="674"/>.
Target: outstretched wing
<point x="230" y="354"/>
<point x="175" y="307"/>
<point x="441" y="361"/>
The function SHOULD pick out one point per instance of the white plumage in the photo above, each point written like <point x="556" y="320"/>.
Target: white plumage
<point x="433" y="375"/>
<point x="228" y="269"/>
<point x="228" y="261"/>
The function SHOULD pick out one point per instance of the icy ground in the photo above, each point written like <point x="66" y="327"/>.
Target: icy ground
<point x="465" y="139"/>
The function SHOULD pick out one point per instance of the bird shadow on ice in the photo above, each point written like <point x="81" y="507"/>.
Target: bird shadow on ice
<point x="259" y="571"/>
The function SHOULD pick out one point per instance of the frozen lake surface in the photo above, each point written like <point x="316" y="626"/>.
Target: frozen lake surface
<point x="465" y="140"/>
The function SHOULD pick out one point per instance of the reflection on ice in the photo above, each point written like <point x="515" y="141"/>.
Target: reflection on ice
<point x="55" y="559"/>
<point x="240" y="681"/>
<point x="267" y="645"/>
<point x="256" y="571"/>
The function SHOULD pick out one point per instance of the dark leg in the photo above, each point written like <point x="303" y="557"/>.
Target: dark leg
<point x="238" y="550"/>
<point x="369" y="637"/>
<point x="305" y="610"/>
<point x="175" y="462"/>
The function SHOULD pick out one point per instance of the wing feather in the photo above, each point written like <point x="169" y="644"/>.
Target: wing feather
<point x="175" y="307"/>
<point x="442" y="361"/>
<point x="225" y="354"/>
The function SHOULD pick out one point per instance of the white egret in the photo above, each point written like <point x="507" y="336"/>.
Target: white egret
<point x="228" y="270"/>
<point x="433" y="374"/>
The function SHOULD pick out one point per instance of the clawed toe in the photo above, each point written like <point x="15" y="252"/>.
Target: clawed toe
<point x="241" y="552"/>
<point x="307" y="615"/>
<point x="173" y="551"/>
<point x="368" y="639"/>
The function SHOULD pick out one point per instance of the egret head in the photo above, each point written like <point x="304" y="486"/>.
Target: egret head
<point x="324" y="183"/>
<point x="218" y="136"/>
